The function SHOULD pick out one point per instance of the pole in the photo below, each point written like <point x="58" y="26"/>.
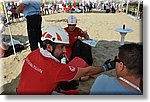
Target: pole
<point x="138" y="8"/>
<point x="122" y="38"/>
<point x="9" y="27"/>
<point x="83" y="5"/>
<point x="127" y="6"/>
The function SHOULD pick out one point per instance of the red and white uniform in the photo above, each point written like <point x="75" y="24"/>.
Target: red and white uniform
<point x="41" y="74"/>
<point x="73" y="36"/>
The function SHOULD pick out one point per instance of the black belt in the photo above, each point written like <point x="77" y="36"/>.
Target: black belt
<point x="33" y="15"/>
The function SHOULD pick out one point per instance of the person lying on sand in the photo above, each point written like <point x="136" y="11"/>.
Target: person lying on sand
<point x="6" y="49"/>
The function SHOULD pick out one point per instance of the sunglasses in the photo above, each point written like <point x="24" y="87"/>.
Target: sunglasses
<point x="71" y="24"/>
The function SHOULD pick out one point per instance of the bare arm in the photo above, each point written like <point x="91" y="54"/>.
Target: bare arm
<point x="88" y="71"/>
<point x="86" y="35"/>
<point x="21" y="8"/>
<point x="4" y="46"/>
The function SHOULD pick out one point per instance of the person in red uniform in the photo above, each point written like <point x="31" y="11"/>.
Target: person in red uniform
<point x="42" y="70"/>
<point x="76" y="47"/>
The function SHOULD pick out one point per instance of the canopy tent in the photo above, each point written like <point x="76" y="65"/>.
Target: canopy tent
<point x="3" y="8"/>
<point x="136" y="3"/>
<point x="10" y="0"/>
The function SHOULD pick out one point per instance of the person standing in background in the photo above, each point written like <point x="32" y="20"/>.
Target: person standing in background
<point x="31" y="10"/>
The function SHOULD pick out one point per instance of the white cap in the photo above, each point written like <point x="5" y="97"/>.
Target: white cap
<point x="72" y="20"/>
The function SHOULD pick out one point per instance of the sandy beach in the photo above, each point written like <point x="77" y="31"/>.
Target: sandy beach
<point x="100" y="26"/>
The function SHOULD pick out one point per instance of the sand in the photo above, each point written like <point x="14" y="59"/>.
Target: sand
<point x="100" y="26"/>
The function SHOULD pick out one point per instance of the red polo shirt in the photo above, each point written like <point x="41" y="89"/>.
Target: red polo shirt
<point x="72" y="39"/>
<point x="40" y="75"/>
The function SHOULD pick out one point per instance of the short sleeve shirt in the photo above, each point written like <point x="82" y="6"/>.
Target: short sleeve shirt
<point x="72" y="39"/>
<point x="111" y="86"/>
<point x="74" y="35"/>
<point x="40" y="75"/>
<point x="33" y="7"/>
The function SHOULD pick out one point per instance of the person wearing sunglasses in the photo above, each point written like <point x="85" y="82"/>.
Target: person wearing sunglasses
<point x="129" y="73"/>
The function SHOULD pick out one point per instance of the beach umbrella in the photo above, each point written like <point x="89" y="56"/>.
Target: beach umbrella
<point x="5" y="12"/>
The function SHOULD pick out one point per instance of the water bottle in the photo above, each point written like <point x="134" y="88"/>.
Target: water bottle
<point x="79" y="37"/>
<point x="124" y="26"/>
<point x="64" y="60"/>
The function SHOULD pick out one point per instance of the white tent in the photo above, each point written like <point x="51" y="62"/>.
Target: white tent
<point x="5" y="12"/>
<point x="10" y="0"/>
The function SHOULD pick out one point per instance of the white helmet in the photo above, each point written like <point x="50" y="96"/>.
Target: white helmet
<point x="72" y="19"/>
<point x="55" y="34"/>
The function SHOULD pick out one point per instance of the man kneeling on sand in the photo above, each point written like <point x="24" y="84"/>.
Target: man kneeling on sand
<point x="43" y="71"/>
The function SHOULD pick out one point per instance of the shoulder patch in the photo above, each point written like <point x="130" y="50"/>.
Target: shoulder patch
<point x="72" y="69"/>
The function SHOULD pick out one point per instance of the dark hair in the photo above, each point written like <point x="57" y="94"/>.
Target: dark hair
<point x="43" y="45"/>
<point x="132" y="57"/>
